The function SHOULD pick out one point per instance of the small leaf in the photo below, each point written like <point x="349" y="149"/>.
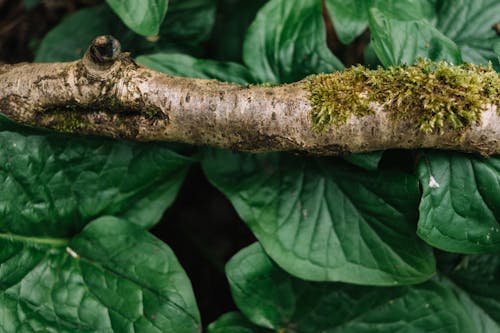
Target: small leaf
<point x="234" y="322"/>
<point x="470" y="25"/>
<point x="323" y="220"/>
<point x="398" y="42"/>
<point x="144" y="17"/>
<point x="113" y="277"/>
<point x="287" y="41"/>
<point x="460" y="206"/>
<point x="271" y="298"/>
<point x="61" y="183"/>
<point x="185" y="65"/>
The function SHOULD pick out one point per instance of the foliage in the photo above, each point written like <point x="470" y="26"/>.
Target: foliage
<point x="352" y="244"/>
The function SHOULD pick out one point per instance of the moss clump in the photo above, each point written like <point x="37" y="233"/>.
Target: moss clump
<point x="433" y="95"/>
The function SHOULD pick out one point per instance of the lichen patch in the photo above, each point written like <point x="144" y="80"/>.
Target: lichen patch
<point x="432" y="95"/>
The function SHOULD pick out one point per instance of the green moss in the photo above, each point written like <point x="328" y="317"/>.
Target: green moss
<point x="69" y="122"/>
<point x="434" y="95"/>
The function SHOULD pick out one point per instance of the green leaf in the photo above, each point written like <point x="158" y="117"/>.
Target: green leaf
<point x="187" y="23"/>
<point x="54" y="185"/>
<point x="287" y="41"/>
<point x="30" y="3"/>
<point x="185" y="65"/>
<point x="234" y="322"/>
<point x="144" y="17"/>
<point x="460" y="206"/>
<point x="233" y="19"/>
<point x="407" y="10"/>
<point x="323" y="220"/>
<point x="350" y="18"/>
<point x="402" y="42"/>
<point x="476" y="280"/>
<point x="271" y="298"/>
<point x="470" y="25"/>
<point x="113" y="277"/>
<point x="368" y="161"/>
<point x="496" y="48"/>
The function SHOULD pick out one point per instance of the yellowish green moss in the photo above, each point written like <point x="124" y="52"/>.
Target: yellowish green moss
<point x="434" y="95"/>
<point x="69" y="122"/>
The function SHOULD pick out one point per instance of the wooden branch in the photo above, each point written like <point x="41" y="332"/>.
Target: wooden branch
<point x="106" y="93"/>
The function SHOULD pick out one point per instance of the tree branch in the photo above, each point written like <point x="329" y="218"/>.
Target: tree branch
<point x="106" y="93"/>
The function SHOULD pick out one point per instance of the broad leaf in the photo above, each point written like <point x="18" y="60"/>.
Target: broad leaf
<point x="144" y="17"/>
<point x="287" y="41"/>
<point x="234" y="322"/>
<point x="113" y="277"/>
<point x="350" y="18"/>
<point x="460" y="206"/>
<point x="271" y="298"/>
<point x="54" y="185"/>
<point x="470" y="25"/>
<point x="185" y="65"/>
<point x="403" y="42"/>
<point x="476" y="280"/>
<point x="323" y="220"/>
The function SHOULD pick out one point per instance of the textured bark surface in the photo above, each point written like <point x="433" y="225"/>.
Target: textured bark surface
<point x="109" y="95"/>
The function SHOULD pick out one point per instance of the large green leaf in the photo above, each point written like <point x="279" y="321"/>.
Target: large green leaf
<point x="185" y="65"/>
<point x="187" y="23"/>
<point x="321" y="219"/>
<point x="144" y="17"/>
<point x="403" y="41"/>
<point x="287" y="41"/>
<point x="113" y="277"/>
<point x="54" y="185"/>
<point x="470" y="25"/>
<point x="234" y="322"/>
<point x="460" y="206"/>
<point x="271" y="298"/>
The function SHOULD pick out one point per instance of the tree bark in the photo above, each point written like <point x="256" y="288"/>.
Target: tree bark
<point x="106" y="93"/>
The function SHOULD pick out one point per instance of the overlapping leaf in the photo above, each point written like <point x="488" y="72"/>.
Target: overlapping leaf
<point x="271" y="298"/>
<point x="287" y="41"/>
<point x="187" y="23"/>
<point x="321" y="219"/>
<point x="113" y="277"/>
<point x="402" y="42"/>
<point x="54" y="185"/>
<point x="460" y="206"/>
<point x="470" y="24"/>
<point x="476" y="280"/>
